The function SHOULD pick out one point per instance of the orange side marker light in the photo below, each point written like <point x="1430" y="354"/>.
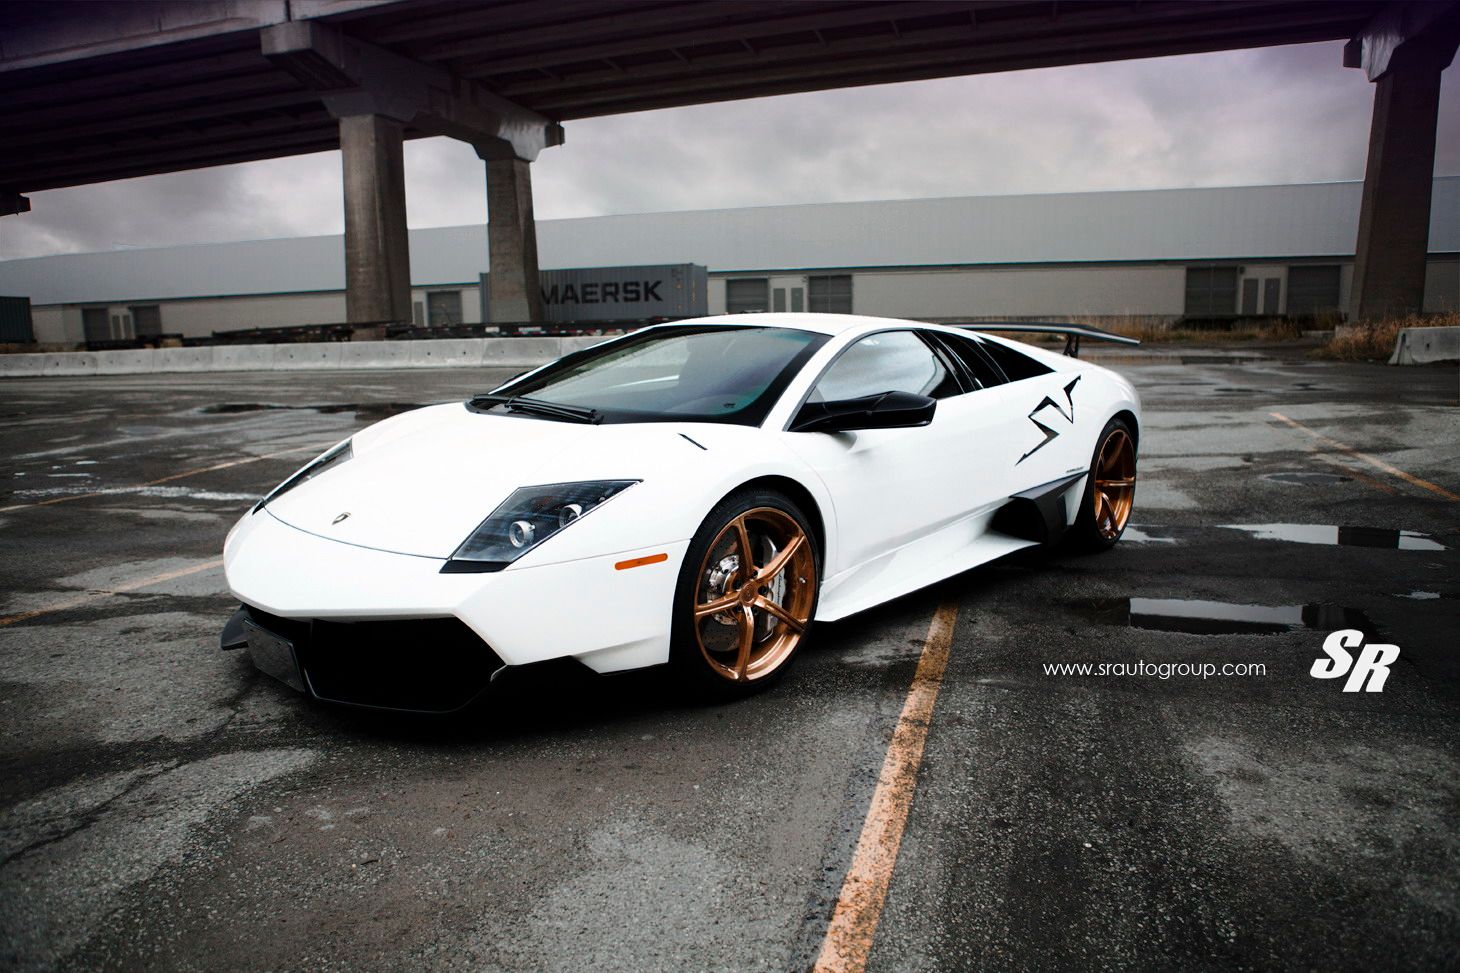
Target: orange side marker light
<point x="639" y="562"/>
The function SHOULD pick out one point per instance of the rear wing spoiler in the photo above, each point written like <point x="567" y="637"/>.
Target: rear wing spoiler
<point x="1072" y="332"/>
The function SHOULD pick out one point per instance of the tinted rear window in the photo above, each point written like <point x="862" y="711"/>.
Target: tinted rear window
<point x="966" y="350"/>
<point x="1016" y="366"/>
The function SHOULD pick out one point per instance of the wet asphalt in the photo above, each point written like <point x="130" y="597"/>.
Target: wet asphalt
<point x="163" y="806"/>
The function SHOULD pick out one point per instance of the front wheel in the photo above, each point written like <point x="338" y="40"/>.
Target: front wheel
<point x="746" y="594"/>
<point x="1110" y="490"/>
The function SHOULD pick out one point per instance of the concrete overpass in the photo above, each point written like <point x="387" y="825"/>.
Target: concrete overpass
<point x="112" y="90"/>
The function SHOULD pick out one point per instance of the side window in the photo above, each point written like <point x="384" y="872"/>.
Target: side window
<point x="891" y="361"/>
<point x="1016" y="365"/>
<point x="966" y="350"/>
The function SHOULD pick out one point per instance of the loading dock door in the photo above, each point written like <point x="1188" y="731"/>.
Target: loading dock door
<point x="1211" y="291"/>
<point x="443" y="308"/>
<point x="830" y="294"/>
<point x="746" y="295"/>
<point x="1313" y="289"/>
<point x="147" y="320"/>
<point x="95" y="325"/>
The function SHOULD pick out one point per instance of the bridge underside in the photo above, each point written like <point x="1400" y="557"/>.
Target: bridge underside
<point x="139" y="88"/>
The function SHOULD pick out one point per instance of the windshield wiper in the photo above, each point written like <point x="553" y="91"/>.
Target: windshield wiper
<point x="548" y="410"/>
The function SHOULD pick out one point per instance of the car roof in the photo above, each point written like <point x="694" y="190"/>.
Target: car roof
<point x="821" y="323"/>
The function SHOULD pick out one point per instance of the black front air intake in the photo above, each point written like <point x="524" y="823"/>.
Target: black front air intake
<point x="434" y="665"/>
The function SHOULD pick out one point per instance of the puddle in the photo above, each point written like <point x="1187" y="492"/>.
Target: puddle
<point x="1194" y="617"/>
<point x="1307" y="479"/>
<point x="1229" y="390"/>
<point x="1142" y="535"/>
<point x="1223" y="359"/>
<point x="1403" y="540"/>
<point x="370" y="411"/>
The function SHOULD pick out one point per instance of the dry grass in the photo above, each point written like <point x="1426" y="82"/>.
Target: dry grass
<point x="1157" y="331"/>
<point x="1375" y="340"/>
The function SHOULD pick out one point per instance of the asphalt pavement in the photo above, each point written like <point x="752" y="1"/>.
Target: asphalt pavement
<point x="163" y="806"/>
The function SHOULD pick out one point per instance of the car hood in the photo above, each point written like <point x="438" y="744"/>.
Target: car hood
<point x="419" y="483"/>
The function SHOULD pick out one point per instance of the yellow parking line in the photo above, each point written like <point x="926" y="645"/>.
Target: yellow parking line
<point x="1376" y="463"/>
<point x="91" y="597"/>
<point x="1363" y="478"/>
<point x="848" y="939"/>
<point x="166" y="479"/>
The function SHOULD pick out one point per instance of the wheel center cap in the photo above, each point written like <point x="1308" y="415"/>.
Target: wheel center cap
<point x="748" y="593"/>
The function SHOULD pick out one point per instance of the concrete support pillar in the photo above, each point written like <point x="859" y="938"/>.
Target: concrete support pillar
<point x="1389" y="266"/>
<point x="13" y="203"/>
<point x="377" y="250"/>
<point x="511" y="242"/>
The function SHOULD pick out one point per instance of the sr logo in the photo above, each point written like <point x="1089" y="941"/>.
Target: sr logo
<point x="1046" y="403"/>
<point x="1372" y="665"/>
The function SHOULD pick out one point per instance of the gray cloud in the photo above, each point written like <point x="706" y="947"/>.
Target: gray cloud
<point x="1276" y="115"/>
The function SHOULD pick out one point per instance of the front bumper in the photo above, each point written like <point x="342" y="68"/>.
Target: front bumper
<point x="608" y="619"/>
<point x="427" y="666"/>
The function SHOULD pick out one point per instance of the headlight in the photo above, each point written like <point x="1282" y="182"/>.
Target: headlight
<point x="527" y="518"/>
<point x="333" y="458"/>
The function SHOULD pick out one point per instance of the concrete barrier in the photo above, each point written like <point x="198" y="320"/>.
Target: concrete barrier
<point x="22" y="366"/>
<point x="445" y="353"/>
<point x="1420" y="346"/>
<point x="579" y="342"/>
<point x="520" y="351"/>
<point x="185" y="359"/>
<point x="243" y="358"/>
<point x="311" y="355"/>
<point x="368" y="354"/>
<point x="323" y="355"/>
<point x="132" y="361"/>
<point x="71" y="363"/>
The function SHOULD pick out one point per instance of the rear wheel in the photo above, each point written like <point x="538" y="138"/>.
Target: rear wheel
<point x="1110" y="490"/>
<point x="746" y="594"/>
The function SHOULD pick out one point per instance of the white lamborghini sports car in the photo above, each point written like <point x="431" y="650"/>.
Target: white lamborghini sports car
<point x="696" y="493"/>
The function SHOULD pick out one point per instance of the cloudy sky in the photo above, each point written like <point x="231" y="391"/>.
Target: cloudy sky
<point x="1281" y="115"/>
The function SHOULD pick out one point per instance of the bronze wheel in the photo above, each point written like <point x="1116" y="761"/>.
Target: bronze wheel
<point x="754" y="598"/>
<point x="1115" y="483"/>
<point x="747" y="593"/>
<point x="1110" y="490"/>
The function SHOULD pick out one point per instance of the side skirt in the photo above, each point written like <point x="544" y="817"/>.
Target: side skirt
<point x="1038" y="514"/>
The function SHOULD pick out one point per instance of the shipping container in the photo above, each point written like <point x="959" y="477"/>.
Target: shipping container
<point x="628" y="294"/>
<point x="15" y="323"/>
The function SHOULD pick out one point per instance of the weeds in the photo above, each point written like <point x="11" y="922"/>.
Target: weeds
<point x="1371" y="340"/>
<point x="1159" y="331"/>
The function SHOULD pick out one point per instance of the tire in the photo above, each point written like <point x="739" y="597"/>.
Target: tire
<point x="1110" y="490"/>
<point x="711" y="650"/>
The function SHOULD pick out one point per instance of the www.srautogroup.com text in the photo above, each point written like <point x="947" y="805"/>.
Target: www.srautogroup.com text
<point x="1157" y="670"/>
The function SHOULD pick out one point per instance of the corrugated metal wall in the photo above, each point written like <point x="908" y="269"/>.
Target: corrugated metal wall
<point x="1168" y="224"/>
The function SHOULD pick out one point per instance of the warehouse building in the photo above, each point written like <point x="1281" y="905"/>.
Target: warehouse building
<point x="1160" y="255"/>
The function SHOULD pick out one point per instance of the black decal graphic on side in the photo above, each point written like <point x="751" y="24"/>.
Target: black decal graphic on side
<point x="1048" y="403"/>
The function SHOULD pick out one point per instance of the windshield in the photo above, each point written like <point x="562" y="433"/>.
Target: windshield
<point x="678" y="373"/>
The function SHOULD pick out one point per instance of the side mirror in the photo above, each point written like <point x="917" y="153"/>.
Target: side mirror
<point x="885" y="410"/>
